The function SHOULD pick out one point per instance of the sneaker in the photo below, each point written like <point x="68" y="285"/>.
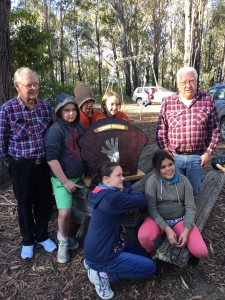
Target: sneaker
<point x="85" y="265"/>
<point x="73" y="244"/>
<point x="27" y="252"/>
<point x="102" y="286"/>
<point x="63" y="252"/>
<point x="48" y="245"/>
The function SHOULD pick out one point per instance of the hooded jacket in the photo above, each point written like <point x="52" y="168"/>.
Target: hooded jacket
<point x="61" y="141"/>
<point x="170" y="201"/>
<point x="102" y="239"/>
<point x="82" y="94"/>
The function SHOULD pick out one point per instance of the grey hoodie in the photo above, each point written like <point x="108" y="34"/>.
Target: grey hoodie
<point x="61" y="141"/>
<point x="170" y="202"/>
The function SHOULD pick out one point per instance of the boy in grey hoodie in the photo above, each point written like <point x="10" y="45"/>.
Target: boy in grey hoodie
<point x="66" y="166"/>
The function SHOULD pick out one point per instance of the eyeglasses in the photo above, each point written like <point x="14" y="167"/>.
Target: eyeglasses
<point x="188" y="82"/>
<point x="29" y="86"/>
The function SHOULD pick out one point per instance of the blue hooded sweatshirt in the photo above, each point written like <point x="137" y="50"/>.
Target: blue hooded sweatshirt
<point x="103" y="236"/>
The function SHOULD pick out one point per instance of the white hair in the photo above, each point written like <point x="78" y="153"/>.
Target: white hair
<point x="187" y="70"/>
<point x="24" y="70"/>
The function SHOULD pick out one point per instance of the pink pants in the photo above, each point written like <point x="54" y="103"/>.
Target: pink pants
<point x="149" y="231"/>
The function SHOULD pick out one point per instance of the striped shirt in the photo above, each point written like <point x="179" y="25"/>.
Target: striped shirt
<point x="188" y="129"/>
<point x="22" y="129"/>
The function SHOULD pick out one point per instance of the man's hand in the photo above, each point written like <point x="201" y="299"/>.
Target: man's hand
<point x="205" y="159"/>
<point x="221" y="168"/>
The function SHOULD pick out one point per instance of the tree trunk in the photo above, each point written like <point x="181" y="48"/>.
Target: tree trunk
<point x="61" y="44"/>
<point x="122" y="27"/>
<point x="187" y="40"/>
<point x="223" y="63"/>
<point x="47" y="4"/>
<point x="5" y="75"/>
<point x="99" y="53"/>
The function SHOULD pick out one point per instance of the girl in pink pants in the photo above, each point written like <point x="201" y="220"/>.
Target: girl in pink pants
<point x="171" y="209"/>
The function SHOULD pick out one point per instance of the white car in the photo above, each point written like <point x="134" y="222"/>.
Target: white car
<point x="139" y="95"/>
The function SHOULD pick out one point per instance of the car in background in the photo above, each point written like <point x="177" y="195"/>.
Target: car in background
<point x="140" y="95"/>
<point x="217" y="92"/>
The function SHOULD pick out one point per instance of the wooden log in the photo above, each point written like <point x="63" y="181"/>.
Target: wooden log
<point x="204" y="201"/>
<point x="83" y="228"/>
<point x="145" y="159"/>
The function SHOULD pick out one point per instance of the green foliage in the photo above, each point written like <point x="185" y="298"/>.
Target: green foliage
<point x="28" y="43"/>
<point x="50" y="91"/>
<point x="29" y="46"/>
<point x="206" y="79"/>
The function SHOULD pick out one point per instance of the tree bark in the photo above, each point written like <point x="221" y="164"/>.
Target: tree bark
<point x="5" y="75"/>
<point x="122" y="27"/>
<point x="99" y="53"/>
<point x="223" y="63"/>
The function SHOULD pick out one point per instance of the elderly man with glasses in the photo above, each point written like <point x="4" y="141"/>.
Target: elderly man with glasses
<point x="23" y="123"/>
<point x="188" y="127"/>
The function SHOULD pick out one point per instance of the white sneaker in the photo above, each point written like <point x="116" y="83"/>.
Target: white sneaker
<point x="27" y="252"/>
<point x="102" y="286"/>
<point x="63" y="252"/>
<point x="48" y="245"/>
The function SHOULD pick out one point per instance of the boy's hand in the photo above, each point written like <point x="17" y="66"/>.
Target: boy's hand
<point x="71" y="187"/>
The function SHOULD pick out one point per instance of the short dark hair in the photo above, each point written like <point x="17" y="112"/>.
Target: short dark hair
<point x="104" y="170"/>
<point x="159" y="157"/>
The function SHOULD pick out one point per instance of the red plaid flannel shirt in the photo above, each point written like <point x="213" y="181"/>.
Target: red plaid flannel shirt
<point x="188" y="129"/>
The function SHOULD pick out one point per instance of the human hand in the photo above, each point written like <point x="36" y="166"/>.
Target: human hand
<point x="171" y="236"/>
<point x="182" y="240"/>
<point x="71" y="187"/>
<point x="221" y="168"/>
<point x="205" y="159"/>
<point x="113" y="152"/>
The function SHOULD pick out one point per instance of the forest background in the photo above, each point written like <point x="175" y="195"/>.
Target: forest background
<point x="113" y="44"/>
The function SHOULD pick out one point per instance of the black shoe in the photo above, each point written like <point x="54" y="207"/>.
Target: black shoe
<point x="194" y="261"/>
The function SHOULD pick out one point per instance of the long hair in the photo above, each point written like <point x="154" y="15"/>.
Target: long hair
<point x="104" y="170"/>
<point x="159" y="157"/>
<point x="106" y="97"/>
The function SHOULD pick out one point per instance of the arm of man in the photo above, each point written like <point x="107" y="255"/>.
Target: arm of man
<point x="57" y="170"/>
<point x="4" y="136"/>
<point x="213" y="133"/>
<point x="162" y="129"/>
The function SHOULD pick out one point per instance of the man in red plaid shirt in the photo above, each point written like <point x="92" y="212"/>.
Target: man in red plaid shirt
<point x="188" y="127"/>
<point x="23" y="123"/>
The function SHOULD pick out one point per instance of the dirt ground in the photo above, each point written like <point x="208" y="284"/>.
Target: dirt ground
<point x="44" y="278"/>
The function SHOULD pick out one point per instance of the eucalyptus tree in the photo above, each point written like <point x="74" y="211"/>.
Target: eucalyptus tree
<point x="194" y="16"/>
<point x="28" y="42"/>
<point x="5" y="76"/>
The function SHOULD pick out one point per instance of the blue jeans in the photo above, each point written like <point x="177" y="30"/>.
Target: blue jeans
<point x="190" y="166"/>
<point x="132" y="262"/>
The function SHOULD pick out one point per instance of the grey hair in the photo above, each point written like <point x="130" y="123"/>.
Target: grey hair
<point x="18" y="74"/>
<point x="187" y="70"/>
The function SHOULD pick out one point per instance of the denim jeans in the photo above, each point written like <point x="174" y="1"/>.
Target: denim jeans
<point x="190" y="166"/>
<point x="132" y="262"/>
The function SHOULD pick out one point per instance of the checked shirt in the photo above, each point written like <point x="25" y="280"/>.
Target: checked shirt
<point x="22" y="130"/>
<point x="188" y="129"/>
